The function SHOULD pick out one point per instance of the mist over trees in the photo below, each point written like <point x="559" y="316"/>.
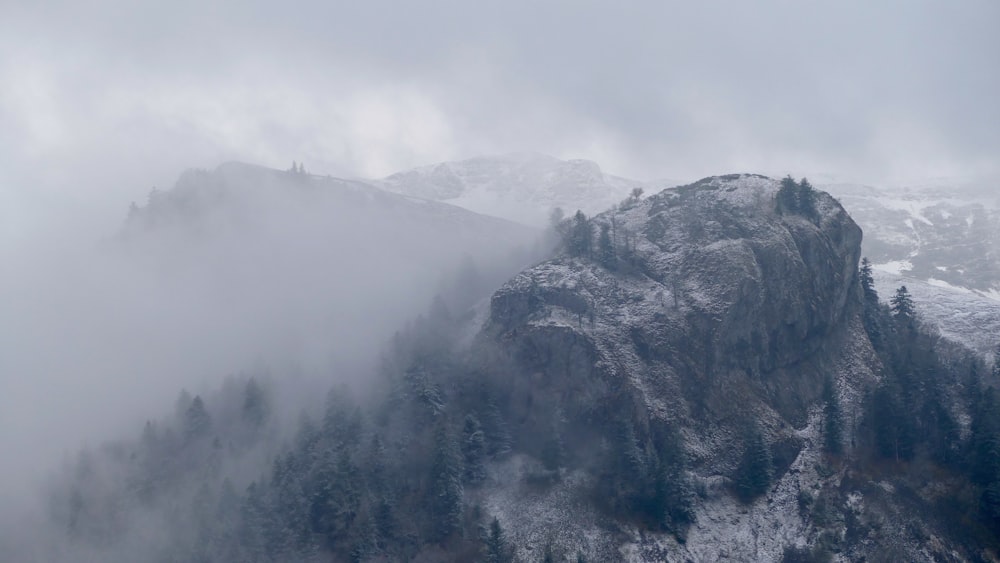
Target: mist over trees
<point x="912" y="417"/>
<point x="394" y="459"/>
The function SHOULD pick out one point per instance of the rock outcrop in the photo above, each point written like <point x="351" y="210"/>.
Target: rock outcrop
<point x="719" y="312"/>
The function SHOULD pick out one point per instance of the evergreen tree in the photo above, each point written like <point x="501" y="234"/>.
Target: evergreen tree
<point x="336" y="497"/>
<point x="672" y="484"/>
<point x="446" y="493"/>
<point x="498" y="440"/>
<point x="984" y="438"/>
<point x="788" y="196"/>
<point x="606" y="249"/>
<point x="902" y="305"/>
<point x="253" y="525"/>
<point x="495" y="544"/>
<point x="871" y="314"/>
<point x="989" y="504"/>
<point x="895" y="435"/>
<point x="833" y="423"/>
<point x="197" y="421"/>
<point x="473" y="450"/>
<point x="806" y="199"/>
<point x="940" y="429"/>
<point x="580" y="236"/>
<point x="553" y="453"/>
<point x="756" y="469"/>
<point x="868" y="281"/>
<point x="556" y="217"/>
<point x="255" y="408"/>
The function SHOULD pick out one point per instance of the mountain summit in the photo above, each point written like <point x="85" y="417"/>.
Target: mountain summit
<point x="522" y="187"/>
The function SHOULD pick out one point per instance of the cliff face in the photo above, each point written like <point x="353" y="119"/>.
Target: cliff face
<point x="719" y="308"/>
<point x="718" y="313"/>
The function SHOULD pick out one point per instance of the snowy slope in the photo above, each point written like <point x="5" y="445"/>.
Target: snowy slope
<point x="931" y="232"/>
<point x="959" y="314"/>
<point x="522" y="187"/>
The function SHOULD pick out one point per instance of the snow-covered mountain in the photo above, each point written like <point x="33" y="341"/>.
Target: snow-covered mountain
<point x="941" y="237"/>
<point x="522" y="187"/>
<point x="960" y="315"/>
<point x="944" y="236"/>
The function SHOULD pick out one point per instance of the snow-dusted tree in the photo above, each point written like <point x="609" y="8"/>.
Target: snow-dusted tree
<point x="495" y="544"/>
<point x="197" y="421"/>
<point x="446" y="492"/>
<point x="579" y="237"/>
<point x="606" y="248"/>
<point x="473" y="450"/>
<point x="902" y="304"/>
<point x="255" y="408"/>
<point x="753" y="476"/>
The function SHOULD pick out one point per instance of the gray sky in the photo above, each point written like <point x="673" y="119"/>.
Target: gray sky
<point x="100" y="100"/>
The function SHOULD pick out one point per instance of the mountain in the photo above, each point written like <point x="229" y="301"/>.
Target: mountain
<point x="940" y="234"/>
<point x="700" y="375"/>
<point x="522" y="187"/>
<point x="322" y="259"/>
<point x="723" y="314"/>
<point x="727" y="319"/>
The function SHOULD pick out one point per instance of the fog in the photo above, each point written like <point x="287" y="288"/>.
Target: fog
<point x="106" y="316"/>
<point x="243" y="268"/>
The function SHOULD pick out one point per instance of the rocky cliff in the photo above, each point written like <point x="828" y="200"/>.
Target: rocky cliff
<point x="718" y="312"/>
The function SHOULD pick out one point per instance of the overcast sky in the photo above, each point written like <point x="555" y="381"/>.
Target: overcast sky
<point x="100" y="100"/>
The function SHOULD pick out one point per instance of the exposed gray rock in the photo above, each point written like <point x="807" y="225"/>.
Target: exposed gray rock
<point x="722" y="312"/>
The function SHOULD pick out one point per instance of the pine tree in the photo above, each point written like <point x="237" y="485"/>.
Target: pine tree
<point x="255" y="409"/>
<point x="895" y="435"/>
<point x="673" y="484"/>
<point x="580" y="237"/>
<point x="446" y="493"/>
<point x="498" y="440"/>
<point x="902" y="305"/>
<point x="868" y="281"/>
<point x="985" y="438"/>
<point x="871" y="314"/>
<point x="756" y="469"/>
<point x="473" y="450"/>
<point x="495" y="544"/>
<point x="606" y="249"/>
<point x="989" y="504"/>
<point x="788" y="198"/>
<point x="197" y="421"/>
<point x="806" y="199"/>
<point x="833" y="423"/>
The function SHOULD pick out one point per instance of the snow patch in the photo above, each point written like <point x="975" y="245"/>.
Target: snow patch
<point x="992" y="293"/>
<point x="896" y="267"/>
<point x="943" y="284"/>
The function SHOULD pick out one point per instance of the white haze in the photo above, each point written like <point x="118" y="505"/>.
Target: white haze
<point x="99" y="101"/>
<point x="237" y="269"/>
